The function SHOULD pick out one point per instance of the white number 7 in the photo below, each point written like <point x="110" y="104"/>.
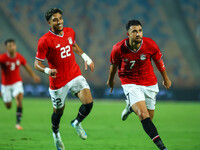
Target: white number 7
<point x="132" y="64"/>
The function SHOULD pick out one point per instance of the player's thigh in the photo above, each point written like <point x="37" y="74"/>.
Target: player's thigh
<point x="80" y="87"/>
<point x="58" y="97"/>
<point x="133" y="93"/>
<point x="18" y="91"/>
<point x="141" y="110"/>
<point x="150" y="93"/>
<point x="85" y="96"/>
<point x="6" y="92"/>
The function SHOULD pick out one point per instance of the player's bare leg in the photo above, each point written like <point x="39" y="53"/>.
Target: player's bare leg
<point x="19" y="99"/>
<point x="87" y="104"/>
<point x="143" y="114"/>
<point x="151" y="114"/>
<point x="55" y="118"/>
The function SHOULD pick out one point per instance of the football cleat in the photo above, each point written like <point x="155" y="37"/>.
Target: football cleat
<point x="80" y="131"/>
<point x="58" y="142"/>
<point x="18" y="127"/>
<point x="126" y="112"/>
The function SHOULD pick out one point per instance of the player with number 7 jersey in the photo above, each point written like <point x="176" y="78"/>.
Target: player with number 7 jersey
<point x="132" y="58"/>
<point x="135" y="66"/>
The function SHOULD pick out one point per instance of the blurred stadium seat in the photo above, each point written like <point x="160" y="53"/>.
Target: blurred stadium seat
<point x="99" y="24"/>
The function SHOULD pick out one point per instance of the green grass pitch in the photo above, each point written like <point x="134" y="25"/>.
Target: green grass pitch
<point x="178" y="124"/>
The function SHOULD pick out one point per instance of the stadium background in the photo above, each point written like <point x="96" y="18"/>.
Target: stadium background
<point x="99" y="24"/>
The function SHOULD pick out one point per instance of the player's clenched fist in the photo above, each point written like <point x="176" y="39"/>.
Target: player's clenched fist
<point x="111" y="85"/>
<point x="91" y="66"/>
<point x="52" y="73"/>
<point x="167" y="84"/>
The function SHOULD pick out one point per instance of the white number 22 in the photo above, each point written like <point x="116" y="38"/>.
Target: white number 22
<point x="65" y="51"/>
<point x="132" y="64"/>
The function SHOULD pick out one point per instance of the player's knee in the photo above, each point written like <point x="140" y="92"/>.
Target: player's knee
<point x="143" y="114"/>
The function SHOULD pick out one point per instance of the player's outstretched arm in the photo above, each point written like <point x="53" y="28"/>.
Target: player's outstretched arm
<point x="40" y="67"/>
<point x="112" y="72"/>
<point x="161" y="67"/>
<point x="85" y="57"/>
<point x="35" y="77"/>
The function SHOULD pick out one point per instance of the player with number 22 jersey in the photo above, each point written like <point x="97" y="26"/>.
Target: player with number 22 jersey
<point x="58" y="47"/>
<point x="52" y="46"/>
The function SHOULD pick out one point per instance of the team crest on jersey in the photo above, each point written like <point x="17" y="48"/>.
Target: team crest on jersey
<point x="143" y="56"/>
<point x="17" y="62"/>
<point x="70" y="40"/>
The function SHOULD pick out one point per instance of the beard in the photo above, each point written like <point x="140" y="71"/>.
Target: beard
<point x="138" y="41"/>
<point x="57" y="30"/>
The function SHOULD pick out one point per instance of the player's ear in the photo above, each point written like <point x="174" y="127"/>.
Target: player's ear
<point x="49" y="23"/>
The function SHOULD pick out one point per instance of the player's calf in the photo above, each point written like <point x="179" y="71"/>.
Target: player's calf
<point x="55" y="119"/>
<point x="151" y="130"/>
<point x="84" y="111"/>
<point x="19" y="117"/>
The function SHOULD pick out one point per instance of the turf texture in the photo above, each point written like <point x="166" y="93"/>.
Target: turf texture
<point x="178" y="124"/>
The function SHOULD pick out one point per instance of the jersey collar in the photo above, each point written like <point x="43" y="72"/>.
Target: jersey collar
<point x="55" y="33"/>
<point x="131" y="49"/>
<point x="10" y="56"/>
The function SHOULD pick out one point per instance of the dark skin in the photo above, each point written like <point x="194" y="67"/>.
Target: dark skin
<point x="56" y="24"/>
<point x="135" y="34"/>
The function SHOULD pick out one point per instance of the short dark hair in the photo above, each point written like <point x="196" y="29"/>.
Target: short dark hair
<point x="52" y="11"/>
<point x="132" y="23"/>
<point x="9" y="40"/>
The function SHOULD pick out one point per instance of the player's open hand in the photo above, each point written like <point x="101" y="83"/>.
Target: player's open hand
<point x="53" y="72"/>
<point x="111" y="85"/>
<point x="167" y="83"/>
<point x="36" y="79"/>
<point x="91" y="66"/>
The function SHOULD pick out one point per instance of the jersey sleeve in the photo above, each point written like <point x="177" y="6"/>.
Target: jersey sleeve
<point x="157" y="55"/>
<point x="74" y="37"/>
<point x="41" y="50"/>
<point x="23" y="60"/>
<point x="115" y="56"/>
<point x="1" y="58"/>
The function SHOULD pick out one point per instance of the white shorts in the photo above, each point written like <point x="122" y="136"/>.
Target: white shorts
<point x="8" y="91"/>
<point x="58" y="96"/>
<point x="135" y="93"/>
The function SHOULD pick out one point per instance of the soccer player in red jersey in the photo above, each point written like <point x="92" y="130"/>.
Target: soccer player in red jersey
<point x="132" y="57"/>
<point x="11" y="80"/>
<point x="57" y="47"/>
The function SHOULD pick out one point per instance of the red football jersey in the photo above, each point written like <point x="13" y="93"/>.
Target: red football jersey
<point x="10" y="68"/>
<point x="59" y="54"/>
<point x="135" y="67"/>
